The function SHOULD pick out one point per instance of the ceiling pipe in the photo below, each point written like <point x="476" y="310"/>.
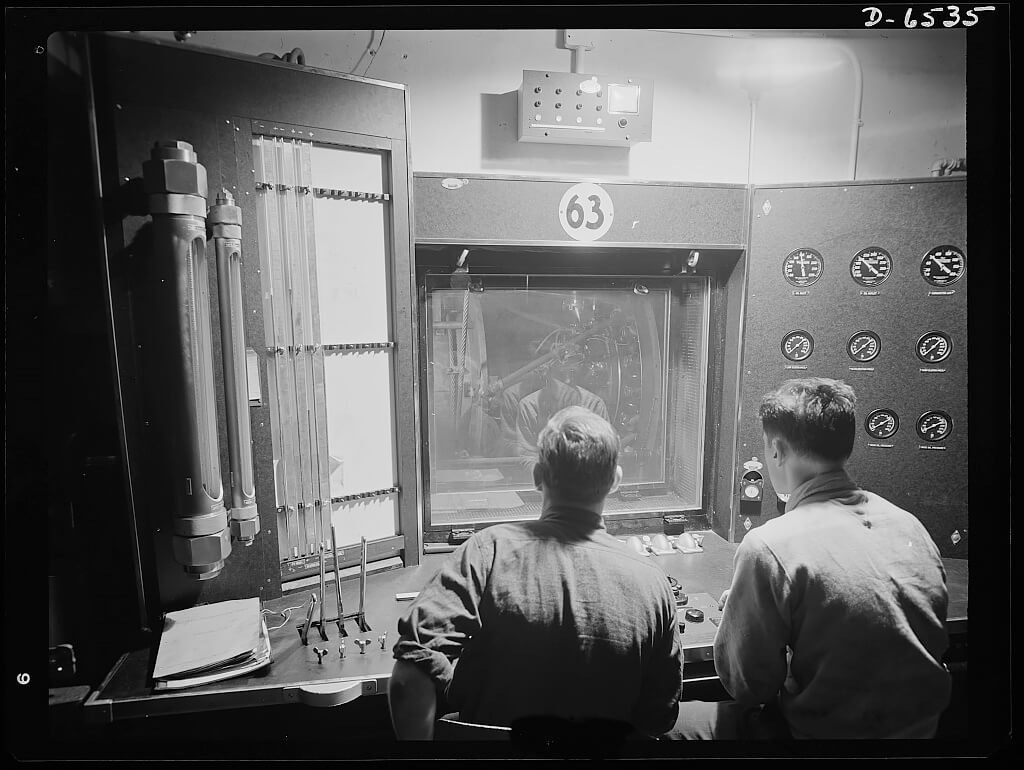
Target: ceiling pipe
<point x="858" y="104"/>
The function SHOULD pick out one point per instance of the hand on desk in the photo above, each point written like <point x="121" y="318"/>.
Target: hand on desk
<point x="722" y="599"/>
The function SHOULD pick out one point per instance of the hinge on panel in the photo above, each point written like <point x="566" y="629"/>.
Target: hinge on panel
<point x="459" y="536"/>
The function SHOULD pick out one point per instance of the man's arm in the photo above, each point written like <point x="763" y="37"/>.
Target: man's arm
<point x="663" y="677"/>
<point x="413" y="702"/>
<point x="442" y="619"/>
<point x="750" y="646"/>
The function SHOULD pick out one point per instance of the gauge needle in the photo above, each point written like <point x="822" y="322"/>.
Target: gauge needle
<point x="939" y="261"/>
<point x="930" y="348"/>
<point x="870" y="267"/>
<point x="858" y="349"/>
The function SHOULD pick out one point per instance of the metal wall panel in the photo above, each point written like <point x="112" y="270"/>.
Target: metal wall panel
<point x="907" y="218"/>
<point x="515" y="210"/>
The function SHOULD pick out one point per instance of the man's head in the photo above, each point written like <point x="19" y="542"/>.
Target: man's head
<point x="578" y="454"/>
<point x="809" y="427"/>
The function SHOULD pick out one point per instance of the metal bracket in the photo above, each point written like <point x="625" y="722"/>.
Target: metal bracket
<point x="328" y="192"/>
<point x="365" y="495"/>
<point x="349" y="346"/>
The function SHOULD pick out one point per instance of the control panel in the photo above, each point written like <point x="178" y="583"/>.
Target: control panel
<point x="881" y="303"/>
<point x="575" y="108"/>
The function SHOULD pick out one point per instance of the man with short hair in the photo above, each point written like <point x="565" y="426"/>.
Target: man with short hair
<point x="835" y="618"/>
<point x="547" y="618"/>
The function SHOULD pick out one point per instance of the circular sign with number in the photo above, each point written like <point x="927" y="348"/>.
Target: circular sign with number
<point x="586" y="211"/>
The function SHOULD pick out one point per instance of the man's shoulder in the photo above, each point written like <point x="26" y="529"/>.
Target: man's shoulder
<point x="614" y="551"/>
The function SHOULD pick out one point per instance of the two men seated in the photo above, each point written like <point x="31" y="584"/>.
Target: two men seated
<point x="833" y="626"/>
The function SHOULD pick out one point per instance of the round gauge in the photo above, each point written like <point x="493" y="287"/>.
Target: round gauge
<point x="803" y="267"/>
<point x="871" y="266"/>
<point x="934" y="347"/>
<point x="934" y="425"/>
<point x="797" y="345"/>
<point x="882" y="423"/>
<point x="943" y="265"/>
<point x="863" y="346"/>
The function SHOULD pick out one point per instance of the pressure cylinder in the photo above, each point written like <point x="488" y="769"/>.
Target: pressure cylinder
<point x="177" y="371"/>
<point x="225" y="220"/>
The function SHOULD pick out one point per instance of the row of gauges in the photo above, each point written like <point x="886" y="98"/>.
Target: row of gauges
<point x="934" y="425"/>
<point x="941" y="266"/>
<point x="865" y="345"/>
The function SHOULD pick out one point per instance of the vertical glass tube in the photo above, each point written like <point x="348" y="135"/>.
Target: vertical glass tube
<point x="225" y="220"/>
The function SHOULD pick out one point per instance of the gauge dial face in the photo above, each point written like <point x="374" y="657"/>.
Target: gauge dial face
<point x="871" y="266"/>
<point x="934" y="425"/>
<point x="882" y="423"/>
<point x="797" y="345"/>
<point x="943" y="265"/>
<point x="803" y="267"/>
<point x="863" y="346"/>
<point x="934" y="347"/>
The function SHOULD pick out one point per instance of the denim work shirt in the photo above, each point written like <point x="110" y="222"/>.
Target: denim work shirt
<point x="553" y="617"/>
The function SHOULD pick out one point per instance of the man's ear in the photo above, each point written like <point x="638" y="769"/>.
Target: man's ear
<point x="780" y="450"/>
<point x="538" y="477"/>
<point x="618" y="479"/>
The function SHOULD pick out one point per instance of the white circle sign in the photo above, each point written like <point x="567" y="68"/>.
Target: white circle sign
<point x="586" y="211"/>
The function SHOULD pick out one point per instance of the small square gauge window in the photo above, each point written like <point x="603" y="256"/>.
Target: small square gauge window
<point x="623" y="99"/>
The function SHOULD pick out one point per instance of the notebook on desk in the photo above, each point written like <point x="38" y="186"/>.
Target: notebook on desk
<point x="210" y="643"/>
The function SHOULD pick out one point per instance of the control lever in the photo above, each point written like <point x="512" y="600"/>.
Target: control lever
<point x="337" y="586"/>
<point x="362" y="644"/>
<point x="304" y="627"/>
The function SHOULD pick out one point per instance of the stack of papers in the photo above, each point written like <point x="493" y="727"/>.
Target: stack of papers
<point x="211" y="642"/>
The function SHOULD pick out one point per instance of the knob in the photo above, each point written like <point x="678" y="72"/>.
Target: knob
<point x="694" y="615"/>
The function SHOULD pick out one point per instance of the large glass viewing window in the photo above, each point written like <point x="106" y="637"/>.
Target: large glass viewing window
<point x="505" y="352"/>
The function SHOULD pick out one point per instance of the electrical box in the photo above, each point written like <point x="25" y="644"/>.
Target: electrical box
<point x="575" y="108"/>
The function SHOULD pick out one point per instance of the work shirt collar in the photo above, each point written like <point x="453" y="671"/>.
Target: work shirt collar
<point x="827" y="486"/>
<point x="576" y="517"/>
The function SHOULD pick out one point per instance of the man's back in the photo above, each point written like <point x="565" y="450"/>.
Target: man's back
<point x="564" y="620"/>
<point x="859" y="590"/>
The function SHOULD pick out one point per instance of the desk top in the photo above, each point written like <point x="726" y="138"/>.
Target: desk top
<point x="295" y="676"/>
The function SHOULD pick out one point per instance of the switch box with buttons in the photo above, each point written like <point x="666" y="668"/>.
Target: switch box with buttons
<point x="574" y="108"/>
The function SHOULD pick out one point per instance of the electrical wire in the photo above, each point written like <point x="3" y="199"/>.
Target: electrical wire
<point x="286" y="612"/>
<point x="373" y="54"/>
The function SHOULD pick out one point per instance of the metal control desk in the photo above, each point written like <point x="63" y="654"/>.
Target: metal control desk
<point x="295" y="676"/>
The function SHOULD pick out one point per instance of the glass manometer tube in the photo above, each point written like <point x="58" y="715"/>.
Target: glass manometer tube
<point x="225" y="220"/>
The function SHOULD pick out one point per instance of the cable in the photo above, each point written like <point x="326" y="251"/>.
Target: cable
<point x="373" y="54"/>
<point x="286" y="612"/>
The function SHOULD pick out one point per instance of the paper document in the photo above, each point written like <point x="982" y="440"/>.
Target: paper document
<point x="205" y="637"/>
<point x="260" y="658"/>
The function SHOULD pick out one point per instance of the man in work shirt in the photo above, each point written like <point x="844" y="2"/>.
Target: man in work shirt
<point x="835" y="618"/>
<point x="548" y="618"/>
